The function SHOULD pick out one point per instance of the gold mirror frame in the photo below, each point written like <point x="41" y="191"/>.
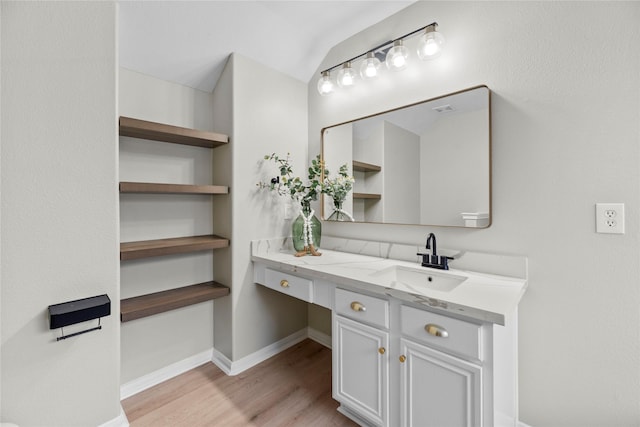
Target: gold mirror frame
<point x="462" y="199"/>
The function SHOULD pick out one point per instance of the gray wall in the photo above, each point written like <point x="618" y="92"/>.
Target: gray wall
<point x="401" y="191"/>
<point x="566" y="110"/>
<point x="266" y="114"/>
<point x="453" y="169"/>
<point x="59" y="231"/>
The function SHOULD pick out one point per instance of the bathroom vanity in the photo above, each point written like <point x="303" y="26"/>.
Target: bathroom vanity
<point x="412" y="346"/>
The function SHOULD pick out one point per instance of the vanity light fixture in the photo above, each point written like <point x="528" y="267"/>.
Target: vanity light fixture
<point x="393" y="52"/>
<point x="431" y="43"/>
<point x="397" y="56"/>
<point x="325" y="85"/>
<point x="369" y="67"/>
<point x="346" y="76"/>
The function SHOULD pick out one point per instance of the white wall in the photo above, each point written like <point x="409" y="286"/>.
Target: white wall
<point x="337" y="150"/>
<point x="153" y="99"/>
<point x="222" y="98"/>
<point x="154" y="342"/>
<point x="453" y="169"/>
<point x="401" y="191"/>
<point x="59" y="230"/>
<point x="268" y="114"/>
<point x="566" y="134"/>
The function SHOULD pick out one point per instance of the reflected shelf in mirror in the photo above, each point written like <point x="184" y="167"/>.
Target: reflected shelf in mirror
<point x="365" y="167"/>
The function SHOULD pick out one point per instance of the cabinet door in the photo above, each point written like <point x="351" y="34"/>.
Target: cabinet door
<point x="361" y="369"/>
<point x="438" y="390"/>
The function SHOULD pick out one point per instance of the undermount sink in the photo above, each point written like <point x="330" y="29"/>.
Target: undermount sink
<point x="419" y="278"/>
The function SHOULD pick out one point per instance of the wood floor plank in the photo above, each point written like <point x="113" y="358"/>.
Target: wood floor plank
<point x="292" y="388"/>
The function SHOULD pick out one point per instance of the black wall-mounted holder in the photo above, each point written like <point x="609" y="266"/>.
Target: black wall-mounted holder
<point x="81" y="310"/>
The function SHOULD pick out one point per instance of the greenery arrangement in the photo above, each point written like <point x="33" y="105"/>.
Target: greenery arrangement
<point x="287" y="184"/>
<point x="307" y="228"/>
<point x="338" y="187"/>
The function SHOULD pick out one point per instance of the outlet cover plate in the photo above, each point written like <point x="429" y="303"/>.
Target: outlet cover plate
<point x="610" y="218"/>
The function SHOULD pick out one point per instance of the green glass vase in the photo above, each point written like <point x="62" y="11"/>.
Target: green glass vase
<point x="302" y="238"/>
<point x="338" y="214"/>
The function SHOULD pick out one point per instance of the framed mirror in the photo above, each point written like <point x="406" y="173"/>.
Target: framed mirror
<point x="427" y="163"/>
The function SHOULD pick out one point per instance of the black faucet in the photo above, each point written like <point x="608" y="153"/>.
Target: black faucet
<point x="432" y="238"/>
<point x="433" y="260"/>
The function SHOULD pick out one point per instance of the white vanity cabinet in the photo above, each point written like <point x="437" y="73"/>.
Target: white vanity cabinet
<point x="408" y="359"/>
<point x="361" y="370"/>
<point x="441" y="365"/>
<point x="441" y="370"/>
<point x="319" y="292"/>
<point x="360" y="356"/>
<point x="438" y="389"/>
<point x="294" y="286"/>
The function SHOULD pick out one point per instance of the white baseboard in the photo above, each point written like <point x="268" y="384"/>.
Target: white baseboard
<point x="319" y="337"/>
<point x="222" y="362"/>
<point x="521" y="424"/>
<point x="235" y="367"/>
<point x="119" y="421"/>
<point x="163" y="374"/>
<point x="226" y="365"/>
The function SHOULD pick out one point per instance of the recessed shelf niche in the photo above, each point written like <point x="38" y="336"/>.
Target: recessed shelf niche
<point x="158" y="302"/>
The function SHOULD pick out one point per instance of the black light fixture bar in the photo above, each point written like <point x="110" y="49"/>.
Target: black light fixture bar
<point x="387" y="45"/>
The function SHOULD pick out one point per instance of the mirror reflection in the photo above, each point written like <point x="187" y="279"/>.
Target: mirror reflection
<point x="426" y="163"/>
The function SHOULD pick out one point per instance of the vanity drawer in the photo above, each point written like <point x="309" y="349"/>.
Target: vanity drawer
<point x="362" y="307"/>
<point x="294" y="286"/>
<point x="451" y="334"/>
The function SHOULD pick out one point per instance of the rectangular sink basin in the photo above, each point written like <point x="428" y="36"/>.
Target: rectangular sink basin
<point x="419" y="278"/>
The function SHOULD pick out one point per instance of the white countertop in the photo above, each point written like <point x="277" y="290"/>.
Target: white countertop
<point x="483" y="297"/>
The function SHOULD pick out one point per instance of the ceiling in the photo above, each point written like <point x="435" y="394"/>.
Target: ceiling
<point x="188" y="42"/>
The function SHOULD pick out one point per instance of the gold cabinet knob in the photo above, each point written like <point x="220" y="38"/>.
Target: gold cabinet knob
<point x="284" y="283"/>
<point x="358" y="306"/>
<point x="402" y="358"/>
<point x="436" y="330"/>
<point x="382" y="350"/>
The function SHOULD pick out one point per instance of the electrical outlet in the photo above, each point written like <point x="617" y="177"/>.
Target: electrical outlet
<point x="610" y="218"/>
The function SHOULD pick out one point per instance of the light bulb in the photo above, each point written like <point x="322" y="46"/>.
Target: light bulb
<point x="325" y="85"/>
<point x="369" y="67"/>
<point x="431" y="43"/>
<point x="346" y="76"/>
<point x="397" y="56"/>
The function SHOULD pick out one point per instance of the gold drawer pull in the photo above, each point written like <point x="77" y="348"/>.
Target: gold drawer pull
<point x="382" y="350"/>
<point x="402" y="358"/>
<point x="284" y="283"/>
<point x="358" y="306"/>
<point x="436" y="330"/>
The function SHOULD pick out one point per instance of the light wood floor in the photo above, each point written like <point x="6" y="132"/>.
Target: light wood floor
<point x="292" y="388"/>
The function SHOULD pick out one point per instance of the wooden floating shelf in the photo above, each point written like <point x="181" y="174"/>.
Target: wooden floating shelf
<point x="159" y="302"/>
<point x="173" y="134"/>
<point x="147" y="187"/>
<point x="176" y="245"/>
<point x="367" y="196"/>
<point x="365" y="167"/>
